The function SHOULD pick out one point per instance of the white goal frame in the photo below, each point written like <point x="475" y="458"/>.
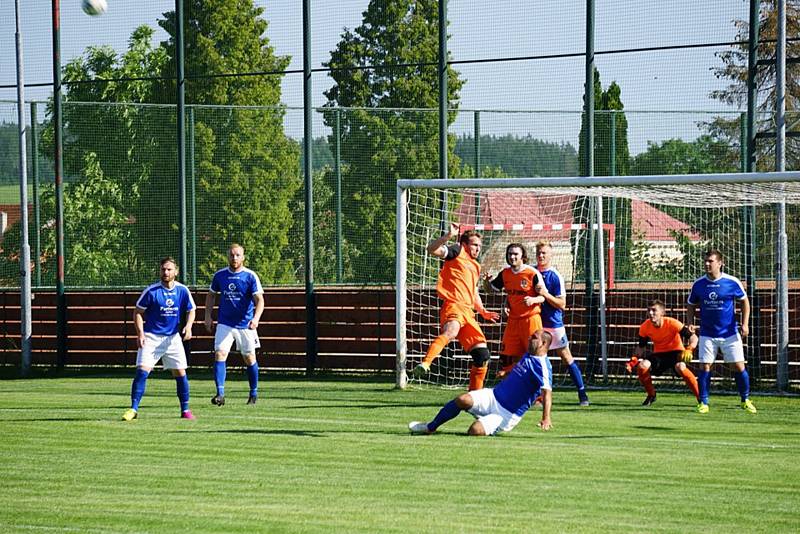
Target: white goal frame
<point x="589" y="184"/>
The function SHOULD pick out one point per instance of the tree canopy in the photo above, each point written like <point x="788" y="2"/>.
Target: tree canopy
<point x="388" y="62"/>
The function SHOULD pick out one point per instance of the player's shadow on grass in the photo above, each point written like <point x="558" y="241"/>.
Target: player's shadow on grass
<point x="390" y="405"/>
<point x="655" y="428"/>
<point x="299" y="433"/>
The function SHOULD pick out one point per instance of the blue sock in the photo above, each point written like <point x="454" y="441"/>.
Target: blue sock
<point x="252" y="376"/>
<point x="577" y="379"/>
<point x="743" y="384"/>
<point x="220" y="370"/>
<point x="182" y="383"/>
<point x="448" y="411"/>
<point x="703" y="383"/>
<point x="137" y="387"/>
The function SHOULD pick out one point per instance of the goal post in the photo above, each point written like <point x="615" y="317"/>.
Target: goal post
<point x="653" y="231"/>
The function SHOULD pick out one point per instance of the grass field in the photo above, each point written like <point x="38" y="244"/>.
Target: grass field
<point x="334" y="455"/>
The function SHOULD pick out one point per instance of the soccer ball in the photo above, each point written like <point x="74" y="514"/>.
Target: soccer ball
<point x="94" y="7"/>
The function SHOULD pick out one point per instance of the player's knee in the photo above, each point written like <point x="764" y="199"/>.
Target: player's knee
<point x="221" y="355"/>
<point x="464" y="401"/>
<point x="476" y="429"/>
<point x="480" y="356"/>
<point x="644" y="365"/>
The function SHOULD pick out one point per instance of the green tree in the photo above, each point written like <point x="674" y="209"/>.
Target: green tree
<point x="519" y="156"/>
<point x="388" y="62"/>
<point x="675" y="156"/>
<point x="248" y="169"/>
<point x="100" y="244"/>
<point x="734" y="71"/>
<point x="609" y="112"/>
<point x="608" y="105"/>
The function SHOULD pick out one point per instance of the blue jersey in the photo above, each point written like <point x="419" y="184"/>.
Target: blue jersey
<point x="716" y="299"/>
<point x="164" y="308"/>
<point x="517" y="392"/>
<point x="236" y="292"/>
<point x="552" y="317"/>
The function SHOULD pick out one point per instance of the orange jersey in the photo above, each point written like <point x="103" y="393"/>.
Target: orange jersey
<point x="458" y="279"/>
<point x="665" y="338"/>
<point x="518" y="286"/>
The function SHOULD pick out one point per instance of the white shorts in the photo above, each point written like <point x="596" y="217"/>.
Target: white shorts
<point x="246" y="340"/>
<point x="559" y="337"/>
<point x="156" y="347"/>
<point x="488" y="411"/>
<point x="731" y="348"/>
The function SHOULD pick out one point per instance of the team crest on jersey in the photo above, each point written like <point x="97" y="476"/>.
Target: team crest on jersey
<point x="523" y="283"/>
<point x="169" y="303"/>
<point x="231" y="286"/>
<point x="713" y="295"/>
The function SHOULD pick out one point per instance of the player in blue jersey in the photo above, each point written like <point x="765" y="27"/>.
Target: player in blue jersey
<point x="499" y="409"/>
<point x="157" y="319"/>
<point x="240" y="307"/>
<point x="555" y="301"/>
<point x="716" y="294"/>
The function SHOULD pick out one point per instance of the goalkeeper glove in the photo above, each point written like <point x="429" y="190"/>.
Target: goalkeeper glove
<point x="687" y="356"/>
<point x="630" y="364"/>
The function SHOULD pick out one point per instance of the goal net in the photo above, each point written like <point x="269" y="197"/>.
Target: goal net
<point x="618" y="244"/>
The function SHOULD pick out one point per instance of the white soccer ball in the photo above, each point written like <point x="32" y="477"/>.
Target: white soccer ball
<point x="94" y="7"/>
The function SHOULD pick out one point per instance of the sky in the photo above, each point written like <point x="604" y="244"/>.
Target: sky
<point x="662" y="90"/>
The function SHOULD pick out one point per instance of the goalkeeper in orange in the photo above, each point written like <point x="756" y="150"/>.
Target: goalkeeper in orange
<point x="458" y="288"/>
<point x="669" y="351"/>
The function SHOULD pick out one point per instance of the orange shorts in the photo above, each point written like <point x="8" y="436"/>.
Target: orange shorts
<point x="470" y="333"/>
<point x="518" y="333"/>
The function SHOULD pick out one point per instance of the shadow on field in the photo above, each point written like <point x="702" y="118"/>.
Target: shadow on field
<point x="373" y="406"/>
<point x="265" y="432"/>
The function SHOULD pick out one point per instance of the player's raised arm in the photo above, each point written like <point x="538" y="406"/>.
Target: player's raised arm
<point x="437" y="246"/>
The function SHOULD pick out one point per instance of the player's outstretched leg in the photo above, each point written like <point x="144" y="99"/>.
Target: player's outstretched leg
<point x="446" y="413"/>
<point x="435" y="348"/>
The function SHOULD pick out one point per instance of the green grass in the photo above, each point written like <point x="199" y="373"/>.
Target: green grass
<point x="9" y="194"/>
<point x="334" y="455"/>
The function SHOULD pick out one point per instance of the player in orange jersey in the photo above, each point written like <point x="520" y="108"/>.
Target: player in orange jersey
<point x="667" y="335"/>
<point x="457" y="287"/>
<point x="519" y="280"/>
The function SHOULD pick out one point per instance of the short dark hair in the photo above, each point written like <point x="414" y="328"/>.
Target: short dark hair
<point x="713" y="252"/>
<point x="657" y="302"/>
<point x="168" y="259"/>
<point x="547" y="338"/>
<point x="464" y="239"/>
<point x="519" y="246"/>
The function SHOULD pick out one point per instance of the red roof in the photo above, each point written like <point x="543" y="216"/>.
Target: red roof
<point x="507" y="207"/>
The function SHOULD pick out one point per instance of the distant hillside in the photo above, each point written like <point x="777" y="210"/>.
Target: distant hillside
<point x="520" y="156"/>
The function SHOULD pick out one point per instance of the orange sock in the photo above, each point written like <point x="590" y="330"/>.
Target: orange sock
<point x="647" y="381"/>
<point x="435" y="349"/>
<point x="691" y="381"/>
<point x="476" y="377"/>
